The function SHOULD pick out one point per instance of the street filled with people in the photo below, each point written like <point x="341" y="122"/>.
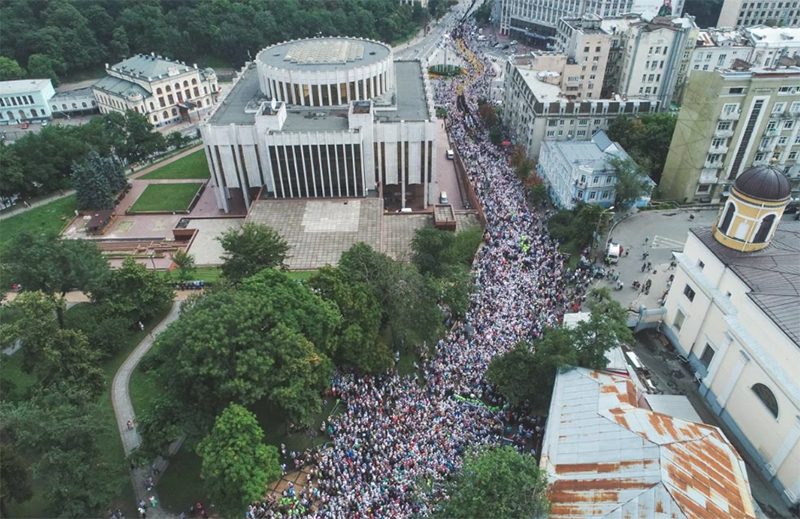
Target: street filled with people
<point x="398" y="438"/>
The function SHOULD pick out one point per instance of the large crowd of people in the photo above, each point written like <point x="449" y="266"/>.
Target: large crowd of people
<point x="397" y="440"/>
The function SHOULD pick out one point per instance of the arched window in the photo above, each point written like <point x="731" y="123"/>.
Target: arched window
<point x="22" y="114"/>
<point x="63" y="106"/>
<point x="186" y="83"/>
<point x="10" y="115"/>
<point x="727" y="218"/>
<point x="155" y="118"/>
<point x="158" y="91"/>
<point x="83" y="104"/>
<point x="94" y="104"/>
<point x="165" y="115"/>
<point x="764" y="228"/>
<point x="55" y="108"/>
<point x="194" y="81"/>
<point x="766" y="395"/>
<point x="177" y="86"/>
<point x="34" y="113"/>
<point x="151" y="106"/>
<point x="169" y="89"/>
<point x="136" y="109"/>
<point x="174" y="111"/>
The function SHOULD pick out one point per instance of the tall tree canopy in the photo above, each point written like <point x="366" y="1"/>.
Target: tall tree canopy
<point x="630" y="184"/>
<point x="97" y="181"/>
<point x="269" y="337"/>
<point x="646" y="139"/>
<point x="134" y="293"/>
<point x="237" y="465"/>
<point x="497" y="483"/>
<point x="253" y="248"/>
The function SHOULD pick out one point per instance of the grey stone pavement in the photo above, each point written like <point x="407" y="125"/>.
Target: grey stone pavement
<point x="318" y="231"/>
<point x="207" y="250"/>
<point x="666" y="231"/>
<point x="123" y="409"/>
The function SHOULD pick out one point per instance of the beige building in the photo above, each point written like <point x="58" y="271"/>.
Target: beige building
<point x="718" y="49"/>
<point x="734" y="312"/>
<point x="584" y="41"/>
<point x="165" y="91"/>
<point x="654" y="59"/>
<point x="730" y="120"/>
<point x="747" y="13"/>
<point x="535" y="109"/>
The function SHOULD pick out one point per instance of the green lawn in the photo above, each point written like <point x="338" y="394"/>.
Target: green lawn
<point x="212" y="274"/>
<point x="44" y="219"/>
<point x="110" y="443"/>
<point x="193" y="165"/>
<point x="166" y="197"/>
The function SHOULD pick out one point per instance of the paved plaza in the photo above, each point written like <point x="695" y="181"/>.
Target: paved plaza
<point x="318" y="231"/>
<point x="399" y="231"/>
<point x="207" y="250"/>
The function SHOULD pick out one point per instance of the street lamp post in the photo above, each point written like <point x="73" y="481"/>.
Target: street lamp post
<point x="596" y="236"/>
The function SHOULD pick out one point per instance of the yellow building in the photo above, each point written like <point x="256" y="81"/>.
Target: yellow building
<point x="734" y="312"/>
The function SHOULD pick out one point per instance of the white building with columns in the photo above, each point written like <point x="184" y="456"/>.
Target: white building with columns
<point x="324" y="118"/>
<point x="734" y="311"/>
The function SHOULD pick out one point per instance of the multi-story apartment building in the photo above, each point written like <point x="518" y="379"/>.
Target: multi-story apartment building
<point x="165" y="91"/>
<point x="747" y="13"/>
<point x="535" y="19"/>
<point x="654" y="59"/>
<point x="535" y="110"/>
<point x="585" y="42"/>
<point x="718" y="49"/>
<point x="581" y="171"/>
<point x="770" y="44"/>
<point x="730" y="120"/>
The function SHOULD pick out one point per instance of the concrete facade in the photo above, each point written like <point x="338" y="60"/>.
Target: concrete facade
<point x="584" y="41"/>
<point x="73" y="102"/>
<point x="718" y="49"/>
<point x="254" y="141"/>
<point x="770" y="44"/>
<point x="747" y="13"/>
<point x="165" y="91"/>
<point x="533" y="18"/>
<point x="25" y="100"/>
<point x="729" y="121"/>
<point x="536" y="111"/>
<point x="734" y="323"/>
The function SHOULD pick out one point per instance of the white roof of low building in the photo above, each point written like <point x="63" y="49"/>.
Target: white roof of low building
<point x="22" y="86"/>
<point x="544" y="92"/>
<point x="608" y="458"/>
<point x="774" y="36"/>
<point x="676" y="406"/>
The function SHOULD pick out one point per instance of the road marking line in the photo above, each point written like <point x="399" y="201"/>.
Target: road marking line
<point x="660" y="242"/>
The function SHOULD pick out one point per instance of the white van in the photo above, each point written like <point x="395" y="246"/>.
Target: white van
<point x="482" y="38"/>
<point x="449" y="154"/>
<point x="443" y="198"/>
<point x="612" y="254"/>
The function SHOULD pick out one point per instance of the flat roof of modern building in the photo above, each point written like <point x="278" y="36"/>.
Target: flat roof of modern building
<point x="607" y="457"/>
<point x="762" y="35"/>
<point x="70" y="94"/>
<point x="323" y="54"/>
<point x="22" y="86"/>
<point x="411" y="103"/>
<point x="544" y="92"/>
<point x="771" y="274"/>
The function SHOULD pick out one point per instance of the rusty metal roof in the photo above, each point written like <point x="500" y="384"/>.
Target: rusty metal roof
<point x="608" y="458"/>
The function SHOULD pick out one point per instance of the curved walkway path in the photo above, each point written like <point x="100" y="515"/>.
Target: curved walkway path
<point x="123" y="409"/>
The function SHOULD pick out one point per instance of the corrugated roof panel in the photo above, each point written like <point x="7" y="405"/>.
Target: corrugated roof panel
<point x="613" y="460"/>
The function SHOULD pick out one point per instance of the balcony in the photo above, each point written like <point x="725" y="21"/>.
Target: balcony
<point x="770" y="146"/>
<point x="716" y="164"/>
<point x="723" y="134"/>
<point x="718" y="149"/>
<point x="730" y="116"/>
<point x="708" y="176"/>
<point x="770" y="132"/>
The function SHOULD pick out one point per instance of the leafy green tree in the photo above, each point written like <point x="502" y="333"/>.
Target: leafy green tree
<point x="10" y="69"/>
<point x="237" y="465"/>
<point x="606" y="328"/>
<point x="357" y="335"/>
<point x="60" y="428"/>
<point x="68" y="359"/>
<point x="176" y="140"/>
<point x="35" y="326"/>
<point x="630" y="185"/>
<point x="42" y="66"/>
<point x="119" y="48"/>
<point x="539" y="195"/>
<point x="105" y="332"/>
<point x="465" y="245"/>
<point x="134" y="293"/>
<point x="185" y="264"/>
<point x="97" y="181"/>
<point x="269" y="337"/>
<point x="429" y="248"/>
<point x="12" y="173"/>
<point x="253" y="248"/>
<point x="15" y="483"/>
<point x="47" y="157"/>
<point x="646" y="139"/>
<point x="499" y="483"/>
<point x="455" y="289"/>
<point x="483" y="13"/>
<point x="495" y="136"/>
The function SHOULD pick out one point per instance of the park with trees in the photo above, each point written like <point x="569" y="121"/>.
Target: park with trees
<point x="71" y="38"/>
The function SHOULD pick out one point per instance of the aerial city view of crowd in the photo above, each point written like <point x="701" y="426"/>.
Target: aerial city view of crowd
<point x="396" y="439"/>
